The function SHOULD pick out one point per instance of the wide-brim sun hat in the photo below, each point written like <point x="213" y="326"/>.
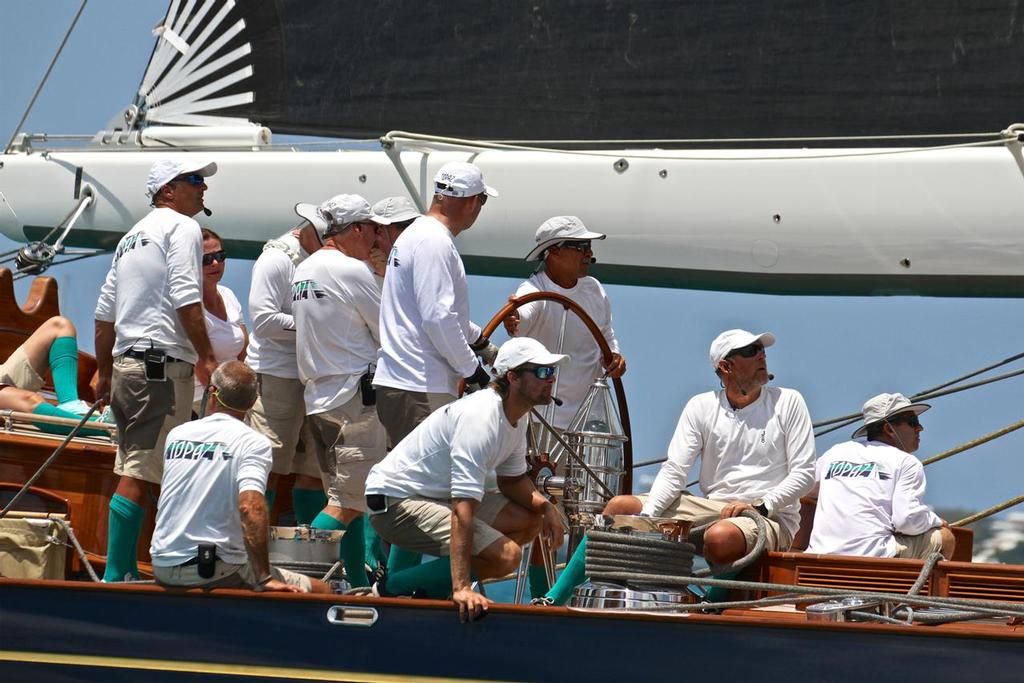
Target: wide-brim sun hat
<point x="394" y="210"/>
<point x="559" y="229"/>
<point x="882" y="407"/>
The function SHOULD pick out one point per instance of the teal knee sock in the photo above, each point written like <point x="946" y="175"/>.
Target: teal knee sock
<point x="538" y="580"/>
<point x="64" y="368"/>
<point x="270" y="496"/>
<point x="434" y="578"/>
<point x="400" y="559"/>
<point x="374" y="555"/>
<point x="307" y="503"/>
<point x="717" y="593"/>
<point x="574" y="574"/>
<point x="351" y="552"/>
<point x="123" y="527"/>
<point x="51" y="410"/>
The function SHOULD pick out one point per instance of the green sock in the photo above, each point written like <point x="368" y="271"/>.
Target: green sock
<point x="717" y="593"/>
<point x="400" y="559"/>
<point x="270" y="495"/>
<point x="374" y="555"/>
<point x="353" y="553"/>
<point x="538" y="580"/>
<point x="434" y="578"/>
<point x="123" y="527"/>
<point x="325" y="521"/>
<point x="51" y="410"/>
<point x="64" y="368"/>
<point x="574" y="574"/>
<point x="307" y="503"/>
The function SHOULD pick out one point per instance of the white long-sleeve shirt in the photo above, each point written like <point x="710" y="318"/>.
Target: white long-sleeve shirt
<point x="336" y="303"/>
<point x="425" y="330"/>
<point x="451" y="453"/>
<point x="542" y="320"/>
<point x="764" y="450"/>
<point x="867" y="491"/>
<point x="271" y="348"/>
<point x="207" y="464"/>
<point x="157" y="269"/>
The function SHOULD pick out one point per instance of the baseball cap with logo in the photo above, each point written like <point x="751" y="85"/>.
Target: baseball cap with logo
<point x="884" y="406"/>
<point x="335" y="213"/>
<point x="166" y="170"/>
<point x="730" y="340"/>
<point x="394" y="210"/>
<point x="461" y="179"/>
<point x="520" y="350"/>
<point x="559" y="229"/>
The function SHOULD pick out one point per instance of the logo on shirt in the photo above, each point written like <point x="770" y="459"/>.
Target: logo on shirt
<point x="306" y="289"/>
<point x="393" y="257"/>
<point x="854" y="469"/>
<point x="129" y="243"/>
<point x="195" y="450"/>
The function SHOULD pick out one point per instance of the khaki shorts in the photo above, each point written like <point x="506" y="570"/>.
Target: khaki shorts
<point x="18" y="372"/>
<point x="704" y="510"/>
<point x="424" y="525"/>
<point x="225" y="575"/>
<point x="920" y="546"/>
<point x="348" y="441"/>
<point x="144" y="412"/>
<point x="400" y="411"/>
<point x="279" y="414"/>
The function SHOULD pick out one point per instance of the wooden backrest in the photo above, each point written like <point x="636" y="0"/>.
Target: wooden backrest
<point x="18" y="322"/>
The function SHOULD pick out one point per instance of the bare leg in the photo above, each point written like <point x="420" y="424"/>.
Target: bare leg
<point x="948" y="542"/>
<point x="12" y="398"/>
<point x="623" y="505"/>
<point x="497" y="559"/>
<point x="37" y="346"/>
<point x="724" y="543"/>
<point x="518" y="523"/>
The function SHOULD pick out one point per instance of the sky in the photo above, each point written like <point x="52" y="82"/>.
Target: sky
<point x="837" y="351"/>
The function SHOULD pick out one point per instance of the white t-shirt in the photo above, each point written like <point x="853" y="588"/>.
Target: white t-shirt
<point x="450" y="454"/>
<point x="336" y="304"/>
<point x="425" y="330"/>
<point x="157" y="269"/>
<point x="542" y="320"/>
<point x="765" y="450"/>
<point x="207" y="464"/>
<point x="226" y="336"/>
<point x="868" y="491"/>
<point x="272" y="338"/>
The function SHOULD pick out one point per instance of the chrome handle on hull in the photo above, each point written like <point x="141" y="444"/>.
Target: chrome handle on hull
<point x="343" y="615"/>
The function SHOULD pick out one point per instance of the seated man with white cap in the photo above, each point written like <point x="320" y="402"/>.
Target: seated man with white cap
<point x="428" y="494"/>
<point x="150" y="340"/>
<point x="870" y="489"/>
<point x="756" y="448"/>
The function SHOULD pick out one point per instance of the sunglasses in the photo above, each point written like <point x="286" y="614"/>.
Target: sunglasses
<point x="578" y="245"/>
<point x="191" y="179"/>
<point x="540" y="371"/>
<point x="748" y="351"/>
<point x="908" y="419"/>
<point x="209" y="259"/>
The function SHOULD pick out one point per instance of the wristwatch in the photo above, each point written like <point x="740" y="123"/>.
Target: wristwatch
<point x="761" y="508"/>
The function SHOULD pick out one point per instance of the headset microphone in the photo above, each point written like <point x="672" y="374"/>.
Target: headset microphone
<point x="207" y="211"/>
<point x="557" y="401"/>
<point x="770" y="377"/>
<point x="593" y="260"/>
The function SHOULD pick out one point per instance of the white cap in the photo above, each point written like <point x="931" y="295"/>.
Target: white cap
<point x="166" y="170"/>
<point x="337" y="212"/>
<point x="394" y="210"/>
<point x="878" y="408"/>
<point x="559" y="229"/>
<point x="730" y="340"/>
<point x="520" y="350"/>
<point x="461" y="179"/>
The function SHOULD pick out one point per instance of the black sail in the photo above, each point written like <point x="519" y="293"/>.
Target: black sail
<point x="632" y="69"/>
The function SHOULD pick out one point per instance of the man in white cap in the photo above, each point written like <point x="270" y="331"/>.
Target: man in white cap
<point x="428" y="494"/>
<point x="395" y="214"/>
<point x="336" y="304"/>
<point x="150" y="340"/>
<point x="279" y="412"/>
<point x="871" y="489"/>
<point x="427" y="339"/>
<point x="756" y="448"/>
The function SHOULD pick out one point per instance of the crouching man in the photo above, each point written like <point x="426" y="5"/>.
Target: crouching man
<point x="211" y="523"/>
<point x="428" y="494"/>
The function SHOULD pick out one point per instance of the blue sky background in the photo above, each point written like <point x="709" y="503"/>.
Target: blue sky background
<point x="837" y="351"/>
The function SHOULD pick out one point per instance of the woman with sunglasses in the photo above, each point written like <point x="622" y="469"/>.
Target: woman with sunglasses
<point x="221" y="310"/>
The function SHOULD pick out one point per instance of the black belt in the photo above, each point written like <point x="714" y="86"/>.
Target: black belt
<point x="377" y="502"/>
<point x="141" y="355"/>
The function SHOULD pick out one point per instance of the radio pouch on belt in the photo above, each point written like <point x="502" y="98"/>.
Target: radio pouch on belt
<point x="155" y="361"/>
<point x="206" y="560"/>
<point x="367" y="391"/>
